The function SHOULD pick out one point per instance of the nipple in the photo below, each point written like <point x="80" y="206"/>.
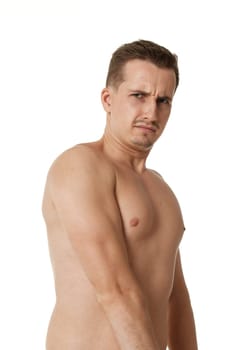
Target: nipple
<point x="134" y="222"/>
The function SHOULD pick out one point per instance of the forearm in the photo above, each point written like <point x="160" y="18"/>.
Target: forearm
<point x="131" y="322"/>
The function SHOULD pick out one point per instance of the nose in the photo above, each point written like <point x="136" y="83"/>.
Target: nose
<point x="151" y="110"/>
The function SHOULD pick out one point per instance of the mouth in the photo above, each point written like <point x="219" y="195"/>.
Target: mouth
<point x="146" y="128"/>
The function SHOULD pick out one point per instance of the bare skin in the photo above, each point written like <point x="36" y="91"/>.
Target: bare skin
<point x="114" y="229"/>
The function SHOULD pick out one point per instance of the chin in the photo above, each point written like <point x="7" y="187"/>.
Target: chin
<point x="143" y="146"/>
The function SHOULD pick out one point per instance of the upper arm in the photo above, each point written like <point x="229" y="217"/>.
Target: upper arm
<point x="181" y="325"/>
<point x="83" y="196"/>
<point x="179" y="295"/>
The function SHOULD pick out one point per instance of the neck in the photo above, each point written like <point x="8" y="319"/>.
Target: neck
<point x="128" y="155"/>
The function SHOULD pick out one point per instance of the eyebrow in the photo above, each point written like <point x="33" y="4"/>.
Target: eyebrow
<point x="146" y="93"/>
<point x="140" y="91"/>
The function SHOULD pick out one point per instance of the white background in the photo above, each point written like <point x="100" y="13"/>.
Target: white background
<point x="53" y="62"/>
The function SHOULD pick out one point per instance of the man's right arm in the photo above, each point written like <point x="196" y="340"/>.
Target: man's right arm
<point x="85" y="202"/>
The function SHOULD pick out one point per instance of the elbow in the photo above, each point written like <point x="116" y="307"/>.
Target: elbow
<point x="120" y="294"/>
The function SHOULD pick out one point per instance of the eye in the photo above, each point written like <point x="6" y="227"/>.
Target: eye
<point x="138" y="95"/>
<point x="164" y="100"/>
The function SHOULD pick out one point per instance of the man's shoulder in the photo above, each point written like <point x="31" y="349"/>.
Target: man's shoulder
<point x="75" y="156"/>
<point x="161" y="180"/>
<point x="164" y="185"/>
<point x="155" y="173"/>
<point x="84" y="159"/>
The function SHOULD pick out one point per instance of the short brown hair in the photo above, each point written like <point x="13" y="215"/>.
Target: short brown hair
<point x="143" y="50"/>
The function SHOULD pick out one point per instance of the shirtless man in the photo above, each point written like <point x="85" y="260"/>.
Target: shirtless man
<point x="114" y="226"/>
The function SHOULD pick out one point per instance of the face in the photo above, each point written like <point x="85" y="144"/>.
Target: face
<point x="138" y="110"/>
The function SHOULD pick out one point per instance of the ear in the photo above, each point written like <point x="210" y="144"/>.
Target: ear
<point x="106" y="99"/>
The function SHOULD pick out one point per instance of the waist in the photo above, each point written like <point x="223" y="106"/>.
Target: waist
<point x="79" y="328"/>
<point x="84" y="325"/>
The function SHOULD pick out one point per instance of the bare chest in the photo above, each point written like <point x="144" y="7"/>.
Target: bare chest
<point x="149" y="209"/>
<point x="152" y="223"/>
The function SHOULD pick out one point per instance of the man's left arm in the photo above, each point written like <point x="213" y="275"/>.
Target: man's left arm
<point x="182" y="333"/>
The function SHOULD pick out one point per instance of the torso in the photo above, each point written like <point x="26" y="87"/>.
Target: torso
<point x="153" y="228"/>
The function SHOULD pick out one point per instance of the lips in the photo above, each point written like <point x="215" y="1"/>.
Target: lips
<point x="146" y="127"/>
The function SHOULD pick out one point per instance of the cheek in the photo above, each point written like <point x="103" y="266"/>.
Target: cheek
<point x="123" y="109"/>
<point x="136" y="106"/>
<point x="164" y="119"/>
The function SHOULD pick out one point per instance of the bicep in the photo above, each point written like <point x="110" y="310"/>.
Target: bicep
<point x="90" y="216"/>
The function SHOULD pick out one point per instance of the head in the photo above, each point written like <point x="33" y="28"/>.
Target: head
<point x="143" y="50"/>
<point x="141" y="83"/>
